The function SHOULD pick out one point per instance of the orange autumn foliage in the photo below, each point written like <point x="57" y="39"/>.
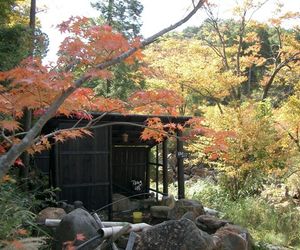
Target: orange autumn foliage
<point x="86" y="54"/>
<point x="156" y="102"/>
<point x="35" y="86"/>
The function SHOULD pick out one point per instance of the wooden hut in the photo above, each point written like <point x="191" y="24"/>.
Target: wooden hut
<point x="114" y="159"/>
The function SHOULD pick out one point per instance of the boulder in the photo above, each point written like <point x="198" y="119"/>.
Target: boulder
<point x="76" y="222"/>
<point x="50" y="213"/>
<point x="267" y="246"/>
<point x="78" y="204"/>
<point x="209" y="224"/>
<point x="230" y="241"/>
<point x="162" y="212"/>
<point x="70" y="207"/>
<point x="233" y="237"/>
<point x="184" y="205"/>
<point x="210" y="211"/>
<point x="120" y="203"/>
<point x="175" y="234"/>
<point x="189" y="215"/>
<point x="66" y="206"/>
<point x="123" y="203"/>
<point x="147" y="203"/>
<point x="168" y="201"/>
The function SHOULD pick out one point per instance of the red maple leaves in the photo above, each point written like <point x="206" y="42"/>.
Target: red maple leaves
<point x="35" y="86"/>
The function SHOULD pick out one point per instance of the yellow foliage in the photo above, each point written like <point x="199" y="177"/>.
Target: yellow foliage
<point x="19" y="13"/>
<point x="188" y="66"/>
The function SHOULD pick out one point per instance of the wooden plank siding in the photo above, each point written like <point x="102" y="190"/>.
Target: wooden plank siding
<point x="83" y="168"/>
<point x="90" y="169"/>
<point x="129" y="163"/>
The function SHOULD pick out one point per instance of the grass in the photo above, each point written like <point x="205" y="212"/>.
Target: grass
<point x="15" y="210"/>
<point x="17" y="218"/>
<point x="265" y="223"/>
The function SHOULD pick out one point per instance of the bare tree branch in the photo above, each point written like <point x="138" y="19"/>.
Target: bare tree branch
<point x="293" y="58"/>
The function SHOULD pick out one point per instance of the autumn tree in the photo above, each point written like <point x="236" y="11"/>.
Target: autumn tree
<point x="14" y="12"/>
<point x="48" y="92"/>
<point x="233" y="42"/>
<point x="191" y="69"/>
<point x="259" y="52"/>
<point x="217" y="62"/>
<point x="283" y="64"/>
<point x="255" y="152"/>
<point x="227" y="64"/>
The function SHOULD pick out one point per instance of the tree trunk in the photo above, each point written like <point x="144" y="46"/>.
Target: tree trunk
<point x="27" y="118"/>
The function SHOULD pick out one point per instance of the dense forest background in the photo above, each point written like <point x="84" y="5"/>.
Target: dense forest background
<point x="238" y="78"/>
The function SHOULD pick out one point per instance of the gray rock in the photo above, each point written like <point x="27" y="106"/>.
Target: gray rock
<point x="67" y="207"/>
<point x="182" y="206"/>
<point x="189" y="215"/>
<point x="161" y="212"/>
<point x="267" y="246"/>
<point x="210" y="211"/>
<point x="209" y="224"/>
<point x="168" y="201"/>
<point x="78" y="204"/>
<point x="50" y="213"/>
<point x="233" y="237"/>
<point x="122" y="203"/>
<point x="147" y="203"/>
<point x="76" y="222"/>
<point x="230" y="241"/>
<point x="175" y="234"/>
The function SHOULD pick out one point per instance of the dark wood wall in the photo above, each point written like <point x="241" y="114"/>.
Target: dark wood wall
<point x="82" y="168"/>
<point x="90" y="168"/>
<point x="129" y="163"/>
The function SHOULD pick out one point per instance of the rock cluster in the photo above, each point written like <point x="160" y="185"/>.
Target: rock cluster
<point x="190" y="227"/>
<point x="187" y="226"/>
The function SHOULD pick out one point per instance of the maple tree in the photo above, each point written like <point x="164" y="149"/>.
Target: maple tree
<point x="91" y="50"/>
<point x="257" y="149"/>
<point x="238" y="48"/>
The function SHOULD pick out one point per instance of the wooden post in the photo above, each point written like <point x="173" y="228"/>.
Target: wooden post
<point x="156" y="172"/>
<point x="180" y="170"/>
<point x="165" y="167"/>
<point x="110" y="172"/>
<point x="148" y="172"/>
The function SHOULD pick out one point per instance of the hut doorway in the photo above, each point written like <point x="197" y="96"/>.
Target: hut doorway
<point x="129" y="169"/>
